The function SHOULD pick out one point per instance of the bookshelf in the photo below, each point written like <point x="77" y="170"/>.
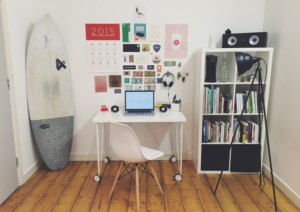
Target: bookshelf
<point x="209" y="157"/>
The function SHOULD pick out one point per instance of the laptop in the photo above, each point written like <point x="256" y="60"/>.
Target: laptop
<point x="139" y="103"/>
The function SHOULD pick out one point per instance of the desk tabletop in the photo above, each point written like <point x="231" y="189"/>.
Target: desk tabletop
<point x="169" y="116"/>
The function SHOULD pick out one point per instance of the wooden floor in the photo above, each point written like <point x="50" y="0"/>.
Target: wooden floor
<point x="73" y="189"/>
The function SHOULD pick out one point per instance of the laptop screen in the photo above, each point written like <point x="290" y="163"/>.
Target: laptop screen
<point x="139" y="100"/>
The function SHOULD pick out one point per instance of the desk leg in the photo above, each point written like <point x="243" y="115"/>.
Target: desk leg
<point x="179" y="140"/>
<point x="173" y="158"/>
<point x="97" y="177"/>
<point x="106" y="159"/>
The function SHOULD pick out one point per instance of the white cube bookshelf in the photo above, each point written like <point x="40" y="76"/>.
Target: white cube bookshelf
<point x="231" y="87"/>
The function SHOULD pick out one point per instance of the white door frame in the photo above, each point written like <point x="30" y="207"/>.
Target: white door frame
<point x="12" y="91"/>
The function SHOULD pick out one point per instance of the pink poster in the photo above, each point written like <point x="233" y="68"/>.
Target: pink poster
<point x="100" y="84"/>
<point x="176" y="40"/>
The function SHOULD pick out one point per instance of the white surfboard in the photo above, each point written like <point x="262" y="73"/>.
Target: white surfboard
<point x="49" y="93"/>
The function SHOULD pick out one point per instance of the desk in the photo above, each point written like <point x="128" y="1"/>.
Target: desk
<point x="102" y="118"/>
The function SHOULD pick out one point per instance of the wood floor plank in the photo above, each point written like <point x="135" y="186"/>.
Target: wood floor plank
<point x="223" y="195"/>
<point x="66" y="200"/>
<point x="190" y="199"/>
<point x="155" y="200"/>
<point x="260" y="198"/>
<point x="23" y="190"/>
<point x="74" y="189"/>
<point x="36" y="194"/>
<point x="142" y="195"/>
<point x="207" y="198"/>
<point x="239" y="193"/>
<point x="283" y="203"/>
<point x="87" y="193"/>
<point x="101" y="202"/>
<point x="120" y="197"/>
<point x="172" y="196"/>
<point x="57" y="188"/>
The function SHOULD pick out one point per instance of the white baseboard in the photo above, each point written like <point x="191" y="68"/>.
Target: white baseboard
<point x="114" y="157"/>
<point x="288" y="192"/>
<point x="31" y="171"/>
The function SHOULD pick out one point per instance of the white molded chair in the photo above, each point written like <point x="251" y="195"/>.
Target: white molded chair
<point x="127" y="147"/>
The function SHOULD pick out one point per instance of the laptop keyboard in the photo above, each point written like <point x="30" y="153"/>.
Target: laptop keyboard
<point x="140" y="111"/>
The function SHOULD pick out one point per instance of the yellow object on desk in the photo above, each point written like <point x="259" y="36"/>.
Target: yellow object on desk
<point x="158" y="105"/>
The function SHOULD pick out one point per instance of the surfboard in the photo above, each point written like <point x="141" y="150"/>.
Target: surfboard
<point x="49" y="93"/>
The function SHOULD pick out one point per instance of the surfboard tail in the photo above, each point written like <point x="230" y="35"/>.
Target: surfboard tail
<point x="54" y="140"/>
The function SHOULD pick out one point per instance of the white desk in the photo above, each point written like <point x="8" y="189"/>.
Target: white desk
<point x="102" y="118"/>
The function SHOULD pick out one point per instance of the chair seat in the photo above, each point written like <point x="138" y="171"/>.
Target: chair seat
<point x="151" y="154"/>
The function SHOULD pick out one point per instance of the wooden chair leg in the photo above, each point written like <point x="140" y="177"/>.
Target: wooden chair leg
<point x="156" y="180"/>
<point x="116" y="179"/>
<point x="137" y="188"/>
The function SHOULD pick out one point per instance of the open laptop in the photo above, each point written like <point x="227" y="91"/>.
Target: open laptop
<point x="139" y="103"/>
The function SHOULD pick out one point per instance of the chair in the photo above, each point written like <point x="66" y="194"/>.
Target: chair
<point x="126" y="146"/>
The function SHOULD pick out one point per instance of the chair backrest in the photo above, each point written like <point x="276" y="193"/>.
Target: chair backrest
<point x="124" y="143"/>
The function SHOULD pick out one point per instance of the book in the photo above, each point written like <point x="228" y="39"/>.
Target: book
<point x="205" y="131"/>
<point x="204" y="101"/>
<point x="209" y="101"/>
<point x="208" y="131"/>
<point x="220" y="103"/>
<point x="222" y="131"/>
<point x="222" y="110"/>
<point x="245" y="132"/>
<point x="217" y="124"/>
<point x="212" y="99"/>
<point x="250" y="102"/>
<point x="241" y="132"/>
<point x="226" y="102"/>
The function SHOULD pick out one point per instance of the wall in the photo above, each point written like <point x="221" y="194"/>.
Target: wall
<point x="283" y="115"/>
<point x="204" y="18"/>
<point x="17" y="25"/>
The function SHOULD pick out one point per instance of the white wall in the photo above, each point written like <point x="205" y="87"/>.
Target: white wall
<point x="204" y="18"/>
<point x="18" y="22"/>
<point x="281" y="22"/>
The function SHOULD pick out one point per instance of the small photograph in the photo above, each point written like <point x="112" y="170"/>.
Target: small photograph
<point x="137" y="87"/>
<point x="125" y="58"/>
<point x="146" y="48"/>
<point x="139" y="12"/>
<point x="126" y="80"/>
<point x="150" y="81"/>
<point x="128" y="87"/>
<point x="140" y="32"/>
<point x="149" y="73"/>
<point x="131" y="58"/>
<point x="140" y="67"/>
<point x="126" y="73"/>
<point x="115" y="81"/>
<point x="137" y="81"/>
<point x="149" y="87"/>
<point x="138" y="73"/>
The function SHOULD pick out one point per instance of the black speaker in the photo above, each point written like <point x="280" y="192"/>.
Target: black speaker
<point x="114" y="109"/>
<point x="245" y="40"/>
<point x="163" y="109"/>
<point x="211" y="67"/>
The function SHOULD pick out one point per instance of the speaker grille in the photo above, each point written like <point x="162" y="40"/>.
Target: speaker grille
<point x="231" y="41"/>
<point x="253" y="40"/>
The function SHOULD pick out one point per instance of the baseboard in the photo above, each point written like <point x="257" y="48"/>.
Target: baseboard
<point x="114" y="157"/>
<point x="31" y="171"/>
<point x="288" y="192"/>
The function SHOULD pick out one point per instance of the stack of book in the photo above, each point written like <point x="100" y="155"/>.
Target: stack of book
<point x="215" y="102"/>
<point x="252" y="103"/>
<point x="216" y="132"/>
<point x="247" y="131"/>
